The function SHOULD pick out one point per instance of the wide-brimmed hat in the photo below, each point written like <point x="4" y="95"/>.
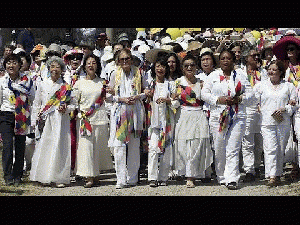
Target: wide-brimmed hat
<point x="152" y="54"/>
<point x="279" y="48"/>
<point x="41" y="49"/>
<point x="193" y="45"/>
<point x="54" y="48"/>
<point x="66" y="56"/>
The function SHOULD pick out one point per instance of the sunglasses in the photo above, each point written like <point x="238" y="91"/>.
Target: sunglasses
<point x="187" y="65"/>
<point x="290" y="49"/>
<point x="76" y="57"/>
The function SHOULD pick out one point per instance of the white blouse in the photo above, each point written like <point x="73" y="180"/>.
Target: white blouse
<point x="215" y="88"/>
<point x="86" y="93"/>
<point x="5" y="93"/>
<point x="271" y="98"/>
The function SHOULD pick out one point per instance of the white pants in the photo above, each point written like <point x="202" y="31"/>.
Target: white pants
<point x="159" y="164"/>
<point x="252" y="147"/>
<point x="127" y="165"/>
<point x="275" y="138"/>
<point x="227" y="150"/>
<point x="29" y="150"/>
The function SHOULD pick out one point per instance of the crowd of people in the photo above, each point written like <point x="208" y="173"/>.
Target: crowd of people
<point x="177" y="105"/>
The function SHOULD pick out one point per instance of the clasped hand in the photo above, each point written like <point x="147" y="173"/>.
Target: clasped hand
<point x="227" y="100"/>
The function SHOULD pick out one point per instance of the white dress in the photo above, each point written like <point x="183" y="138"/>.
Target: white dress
<point x="93" y="154"/>
<point x="193" y="154"/>
<point x="51" y="161"/>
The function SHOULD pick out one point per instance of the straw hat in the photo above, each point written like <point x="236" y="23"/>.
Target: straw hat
<point x="42" y="52"/>
<point x="279" y="49"/>
<point x="152" y="54"/>
<point x="193" y="45"/>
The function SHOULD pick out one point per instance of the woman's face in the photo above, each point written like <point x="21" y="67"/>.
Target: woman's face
<point x="160" y="71"/>
<point x="207" y="63"/>
<point x="269" y="54"/>
<point x="172" y="64"/>
<point x="292" y="51"/>
<point x="253" y="59"/>
<point x="25" y="65"/>
<point x="13" y="67"/>
<point x="189" y="68"/>
<point x="274" y="73"/>
<point x="125" y="61"/>
<point x="55" y="71"/>
<point x="91" y="66"/>
<point x="75" y="61"/>
<point x="237" y="51"/>
<point x="226" y="61"/>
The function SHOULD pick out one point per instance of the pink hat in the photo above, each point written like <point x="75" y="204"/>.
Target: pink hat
<point x="279" y="49"/>
<point x="66" y="57"/>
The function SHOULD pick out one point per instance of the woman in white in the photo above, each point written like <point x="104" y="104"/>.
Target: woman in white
<point x="127" y="119"/>
<point x="252" y="146"/>
<point x="193" y="154"/>
<point x="161" y="125"/>
<point x="227" y="92"/>
<point x="93" y="154"/>
<point x="274" y="96"/>
<point x="52" y="157"/>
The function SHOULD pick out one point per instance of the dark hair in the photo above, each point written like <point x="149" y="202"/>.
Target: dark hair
<point x="27" y="58"/>
<point x="163" y="61"/>
<point x="98" y="71"/>
<point x="177" y="48"/>
<point x="230" y="52"/>
<point x="14" y="57"/>
<point x="188" y="57"/>
<point x="178" y="71"/>
<point x="211" y="55"/>
<point x="281" y="67"/>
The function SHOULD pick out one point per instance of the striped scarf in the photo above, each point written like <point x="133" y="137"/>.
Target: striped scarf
<point x="187" y="95"/>
<point x="22" y="108"/>
<point x="253" y="77"/>
<point x="125" y="122"/>
<point x="60" y="97"/>
<point x="227" y="115"/>
<point x="294" y="74"/>
<point x="85" y="127"/>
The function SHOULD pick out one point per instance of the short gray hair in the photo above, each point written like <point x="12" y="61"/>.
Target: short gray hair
<point x="57" y="59"/>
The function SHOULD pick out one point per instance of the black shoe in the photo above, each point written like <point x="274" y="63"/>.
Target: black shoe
<point x="205" y="180"/>
<point x="232" y="186"/>
<point x="257" y="172"/>
<point x="249" y="177"/>
<point x="9" y="182"/>
<point x="153" y="183"/>
<point x="18" y="181"/>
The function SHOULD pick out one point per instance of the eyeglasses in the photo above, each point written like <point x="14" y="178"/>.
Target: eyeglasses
<point x="124" y="59"/>
<point x="76" y="57"/>
<point x="290" y="49"/>
<point x="187" y="65"/>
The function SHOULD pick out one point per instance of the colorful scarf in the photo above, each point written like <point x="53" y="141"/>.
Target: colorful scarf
<point x="20" y="99"/>
<point x="165" y="136"/>
<point x="85" y="127"/>
<point x="60" y="97"/>
<point x="294" y="73"/>
<point x="253" y="77"/>
<point x="228" y="114"/>
<point x="125" y="122"/>
<point x="187" y="95"/>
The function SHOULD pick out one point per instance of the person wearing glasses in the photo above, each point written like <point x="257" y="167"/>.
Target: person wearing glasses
<point x="228" y="92"/>
<point x="127" y="118"/>
<point x="193" y="154"/>
<point x="252" y="142"/>
<point x="74" y="72"/>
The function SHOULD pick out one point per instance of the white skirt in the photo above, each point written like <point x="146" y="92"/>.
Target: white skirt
<point x="93" y="154"/>
<point x="193" y="154"/>
<point x="51" y="161"/>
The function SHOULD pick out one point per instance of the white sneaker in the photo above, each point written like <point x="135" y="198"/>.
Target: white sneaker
<point x="60" y="185"/>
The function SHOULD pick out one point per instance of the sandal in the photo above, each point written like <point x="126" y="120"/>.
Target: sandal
<point x="190" y="184"/>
